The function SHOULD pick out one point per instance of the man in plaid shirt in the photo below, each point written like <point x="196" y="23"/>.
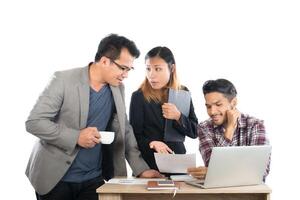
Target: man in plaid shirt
<point x="226" y="126"/>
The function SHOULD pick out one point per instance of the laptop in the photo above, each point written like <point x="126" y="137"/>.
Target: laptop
<point x="235" y="166"/>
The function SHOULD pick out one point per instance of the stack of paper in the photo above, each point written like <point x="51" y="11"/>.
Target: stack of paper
<point x="133" y="181"/>
<point x="182" y="178"/>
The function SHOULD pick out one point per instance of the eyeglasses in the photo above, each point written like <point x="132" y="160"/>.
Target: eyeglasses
<point x="121" y="67"/>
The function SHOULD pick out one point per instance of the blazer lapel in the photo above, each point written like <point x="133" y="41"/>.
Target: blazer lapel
<point x="84" y="97"/>
<point x="119" y="107"/>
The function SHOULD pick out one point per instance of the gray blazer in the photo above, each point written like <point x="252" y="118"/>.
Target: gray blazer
<point x="57" y="118"/>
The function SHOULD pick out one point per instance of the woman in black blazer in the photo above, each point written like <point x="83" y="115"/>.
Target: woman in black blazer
<point x="149" y="108"/>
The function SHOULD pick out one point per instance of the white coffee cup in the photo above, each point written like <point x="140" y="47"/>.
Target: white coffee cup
<point x="106" y="137"/>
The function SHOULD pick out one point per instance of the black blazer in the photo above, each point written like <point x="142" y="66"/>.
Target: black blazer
<point x="148" y="125"/>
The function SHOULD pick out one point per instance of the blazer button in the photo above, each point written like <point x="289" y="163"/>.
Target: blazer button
<point x="68" y="162"/>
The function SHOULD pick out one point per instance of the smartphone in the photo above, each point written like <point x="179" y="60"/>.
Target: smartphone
<point x="165" y="183"/>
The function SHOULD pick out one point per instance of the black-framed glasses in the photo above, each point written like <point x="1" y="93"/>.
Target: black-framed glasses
<point x="121" y="67"/>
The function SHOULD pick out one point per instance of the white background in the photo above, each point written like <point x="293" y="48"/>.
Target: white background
<point x="255" y="44"/>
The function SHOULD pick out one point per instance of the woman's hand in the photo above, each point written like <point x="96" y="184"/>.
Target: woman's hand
<point x="160" y="147"/>
<point x="170" y="111"/>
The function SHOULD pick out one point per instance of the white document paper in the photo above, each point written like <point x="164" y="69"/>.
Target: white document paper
<point x="133" y="181"/>
<point x="174" y="163"/>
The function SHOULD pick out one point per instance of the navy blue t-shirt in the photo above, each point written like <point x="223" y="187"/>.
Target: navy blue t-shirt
<point x="87" y="164"/>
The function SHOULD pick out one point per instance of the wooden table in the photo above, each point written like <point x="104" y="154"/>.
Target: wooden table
<point x="186" y="192"/>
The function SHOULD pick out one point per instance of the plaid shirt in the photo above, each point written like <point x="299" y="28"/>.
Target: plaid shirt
<point x="249" y="132"/>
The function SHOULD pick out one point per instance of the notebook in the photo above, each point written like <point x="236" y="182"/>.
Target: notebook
<point x="235" y="166"/>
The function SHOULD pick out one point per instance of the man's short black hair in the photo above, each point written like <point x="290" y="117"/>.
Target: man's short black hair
<point x="111" y="47"/>
<point x="220" y="85"/>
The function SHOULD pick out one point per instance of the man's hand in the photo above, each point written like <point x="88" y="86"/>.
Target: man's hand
<point x="160" y="147"/>
<point x="197" y="172"/>
<point x="170" y="111"/>
<point x="150" y="173"/>
<point x="232" y="117"/>
<point x="88" y="137"/>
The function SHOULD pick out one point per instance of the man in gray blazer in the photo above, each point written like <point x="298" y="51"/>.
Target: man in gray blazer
<point x="69" y="161"/>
